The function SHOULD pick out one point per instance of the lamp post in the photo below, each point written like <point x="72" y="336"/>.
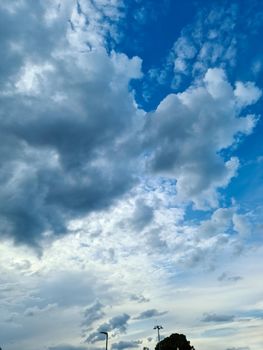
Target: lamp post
<point x="107" y="337"/>
<point x="158" y="332"/>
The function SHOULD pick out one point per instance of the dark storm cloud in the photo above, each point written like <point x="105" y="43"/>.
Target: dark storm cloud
<point x="66" y="128"/>
<point x="149" y="314"/>
<point x="212" y="317"/>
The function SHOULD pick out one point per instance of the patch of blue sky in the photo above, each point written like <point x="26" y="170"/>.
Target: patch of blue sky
<point x="247" y="187"/>
<point x="149" y="31"/>
<point x="254" y="313"/>
<point x="194" y="216"/>
<point x="150" y="28"/>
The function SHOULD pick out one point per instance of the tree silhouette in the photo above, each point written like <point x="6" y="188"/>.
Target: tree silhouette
<point x="174" y="342"/>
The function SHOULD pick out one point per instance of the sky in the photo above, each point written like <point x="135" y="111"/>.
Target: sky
<point x="131" y="168"/>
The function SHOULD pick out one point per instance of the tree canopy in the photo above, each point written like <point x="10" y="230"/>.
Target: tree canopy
<point x="174" y="342"/>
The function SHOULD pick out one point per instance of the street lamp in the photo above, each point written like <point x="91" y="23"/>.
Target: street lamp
<point x="107" y="337"/>
<point x="158" y="332"/>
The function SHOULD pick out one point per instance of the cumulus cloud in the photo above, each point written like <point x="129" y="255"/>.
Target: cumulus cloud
<point x="188" y="131"/>
<point x="72" y="131"/>
<point x="247" y="93"/>
<point x="73" y="151"/>
<point x="242" y="224"/>
<point x="142" y="215"/>
<point x="67" y="113"/>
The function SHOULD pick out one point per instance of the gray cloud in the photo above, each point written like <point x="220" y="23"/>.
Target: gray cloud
<point x="71" y="132"/>
<point x="139" y="298"/>
<point x="142" y="215"/>
<point x="212" y="317"/>
<point x="67" y="347"/>
<point x="68" y="289"/>
<point x="35" y="310"/>
<point x="67" y="147"/>
<point x="126" y="345"/>
<point x="149" y="314"/>
<point x="118" y="324"/>
<point x="225" y="277"/>
<point x="180" y="145"/>
<point x="93" y="313"/>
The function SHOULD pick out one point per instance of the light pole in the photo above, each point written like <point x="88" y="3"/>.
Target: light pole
<point x="107" y="337"/>
<point x="158" y="332"/>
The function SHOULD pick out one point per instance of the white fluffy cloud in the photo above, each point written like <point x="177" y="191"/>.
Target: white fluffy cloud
<point x="188" y="131"/>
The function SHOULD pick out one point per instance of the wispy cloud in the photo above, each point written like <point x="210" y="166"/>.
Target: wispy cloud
<point x="149" y="314"/>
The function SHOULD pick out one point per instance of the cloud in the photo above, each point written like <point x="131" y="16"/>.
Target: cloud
<point x="139" y="298"/>
<point x="68" y="114"/>
<point x="242" y="224"/>
<point x="93" y="313"/>
<point x="36" y="310"/>
<point x="118" y="324"/>
<point x="247" y="93"/>
<point x="95" y="23"/>
<point x="210" y="41"/>
<point x="239" y="348"/>
<point x="68" y="289"/>
<point x="149" y="314"/>
<point x="187" y="132"/>
<point x="212" y="317"/>
<point x="142" y="215"/>
<point x="126" y="345"/>
<point x="67" y="347"/>
<point x="226" y="277"/>
<point x="72" y="131"/>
